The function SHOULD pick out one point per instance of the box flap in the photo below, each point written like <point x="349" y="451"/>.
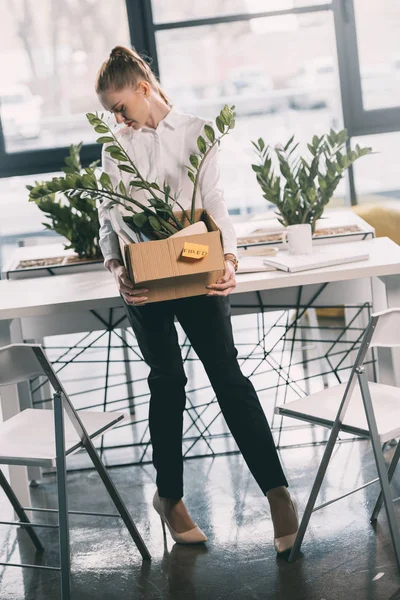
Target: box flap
<point x="199" y="215"/>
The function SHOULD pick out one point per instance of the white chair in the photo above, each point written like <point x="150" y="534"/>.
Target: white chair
<point x="360" y="408"/>
<point x="42" y="438"/>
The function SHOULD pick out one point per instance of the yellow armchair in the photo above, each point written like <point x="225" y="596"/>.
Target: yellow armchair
<point x="383" y="216"/>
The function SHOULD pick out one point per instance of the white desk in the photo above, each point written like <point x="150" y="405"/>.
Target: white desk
<point x="34" y="308"/>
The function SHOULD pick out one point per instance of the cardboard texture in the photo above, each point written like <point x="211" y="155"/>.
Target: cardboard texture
<point x="160" y="267"/>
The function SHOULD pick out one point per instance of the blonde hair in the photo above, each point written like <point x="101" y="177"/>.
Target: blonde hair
<point x="125" y="68"/>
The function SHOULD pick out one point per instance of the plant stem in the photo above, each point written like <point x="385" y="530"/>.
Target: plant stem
<point x="137" y="172"/>
<point x="145" y="209"/>
<point x="196" y="183"/>
<point x="183" y="210"/>
<point x="139" y="175"/>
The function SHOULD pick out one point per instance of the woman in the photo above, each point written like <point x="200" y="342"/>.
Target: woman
<point x="159" y="140"/>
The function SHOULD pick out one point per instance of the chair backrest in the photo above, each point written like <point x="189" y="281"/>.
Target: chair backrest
<point x="19" y="362"/>
<point x="386" y="329"/>
<point x="383" y="329"/>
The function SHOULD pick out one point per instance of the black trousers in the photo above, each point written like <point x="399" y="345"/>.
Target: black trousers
<point x="207" y="323"/>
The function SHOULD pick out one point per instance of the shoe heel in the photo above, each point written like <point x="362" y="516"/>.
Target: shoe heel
<point x="193" y="536"/>
<point x="163" y="526"/>
<point x="284" y="544"/>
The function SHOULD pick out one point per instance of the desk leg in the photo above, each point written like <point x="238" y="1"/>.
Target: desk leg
<point x="128" y="371"/>
<point x="386" y="294"/>
<point x="10" y="406"/>
<point x="356" y="317"/>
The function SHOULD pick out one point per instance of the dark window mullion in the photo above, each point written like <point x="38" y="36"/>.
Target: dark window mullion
<point x="2" y="142"/>
<point x="348" y="63"/>
<point x="142" y="30"/>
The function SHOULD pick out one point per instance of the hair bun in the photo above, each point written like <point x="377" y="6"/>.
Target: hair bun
<point x="119" y="52"/>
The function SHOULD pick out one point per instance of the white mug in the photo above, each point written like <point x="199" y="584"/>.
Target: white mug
<point x="298" y="239"/>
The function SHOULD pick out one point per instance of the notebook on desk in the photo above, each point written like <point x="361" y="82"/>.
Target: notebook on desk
<point x="317" y="260"/>
<point x="252" y="264"/>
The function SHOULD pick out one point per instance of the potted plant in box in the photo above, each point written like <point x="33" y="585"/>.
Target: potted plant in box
<point x="80" y="188"/>
<point x="305" y="184"/>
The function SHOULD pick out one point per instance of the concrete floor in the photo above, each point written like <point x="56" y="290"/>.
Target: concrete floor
<point x="344" y="556"/>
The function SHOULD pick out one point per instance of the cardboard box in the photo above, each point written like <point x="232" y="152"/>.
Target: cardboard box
<point x="160" y="266"/>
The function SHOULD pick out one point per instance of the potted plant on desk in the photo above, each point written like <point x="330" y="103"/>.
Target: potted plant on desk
<point x="305" y="184"/>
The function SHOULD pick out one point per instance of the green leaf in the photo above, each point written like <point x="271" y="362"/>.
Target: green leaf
<point x="89" y="181"/>
<point x="155" y="223"/>
<point x="126" y="168"/>
<point x="194" y="160"/>
<point x="201" y="144"/>
<point x="122" y="188"/>
<point x="106" y="182"/>
<point x="322" y="183"/>
<point x="261" y="144"/>
<point x="91" y="118"/>
<point x="139" y="219"/>
<point x="220" y="124"/>
<point x="118" y="155"/>
<point x="209" y="132"/>
<point x="105" y="139"/>
<point x="111" y="148"/>
<point x="101" y="129"/>
<point x="288" y="143"/>
<point x="191" y="176"/>
<point x="138" y="183"/>
<point x="342" y="137"/>
<point x="311" y="149"/>
<point x="226" y="114"/>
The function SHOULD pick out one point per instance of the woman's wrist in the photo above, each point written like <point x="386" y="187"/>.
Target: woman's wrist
<point x="112" y="264"/>
<point x="232" y="258"/>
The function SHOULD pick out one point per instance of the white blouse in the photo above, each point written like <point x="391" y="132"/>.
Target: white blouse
<point x="161" y="155"/>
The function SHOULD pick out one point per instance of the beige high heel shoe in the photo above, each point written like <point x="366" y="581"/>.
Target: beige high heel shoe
<point x="192" y="536"/>
<point x="285" y="543"/>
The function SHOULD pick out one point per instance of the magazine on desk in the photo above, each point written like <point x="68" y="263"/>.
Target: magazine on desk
<point x="323" y="257"/>
<point x="336" y="226"/>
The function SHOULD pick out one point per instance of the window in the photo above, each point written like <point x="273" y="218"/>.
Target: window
<point x="368" y="34"/>
<point x="50" y="51"/>
<point x="49" y="55"/>
<point x="276" y="93"/>
<point x="278" y="61"/>
<point x="378" y="33"/>
<point x="21" y="221"/>
<point x="377" y="175"/>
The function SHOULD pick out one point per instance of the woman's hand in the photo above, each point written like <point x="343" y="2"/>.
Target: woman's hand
<point x="226" y="284"/>
<point x="125" y="286"/>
